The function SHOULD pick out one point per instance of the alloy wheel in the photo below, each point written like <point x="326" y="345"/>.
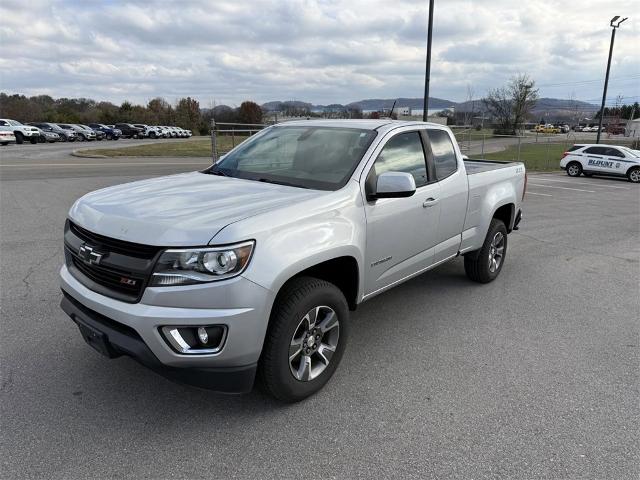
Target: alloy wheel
<point x="313" y="343"/>
<point x="496" y="252"/>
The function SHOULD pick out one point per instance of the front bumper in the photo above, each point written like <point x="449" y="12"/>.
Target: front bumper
<point x="231" y="369"/>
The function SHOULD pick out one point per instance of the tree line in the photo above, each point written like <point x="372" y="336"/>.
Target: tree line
<point x="185" y="113"/>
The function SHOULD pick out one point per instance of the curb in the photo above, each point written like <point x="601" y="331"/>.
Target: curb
<point x="78" y="153"/>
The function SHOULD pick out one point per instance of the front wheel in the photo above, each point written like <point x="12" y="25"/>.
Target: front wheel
<point x="484" y="265"/>
<point x="574" y="169"/>
<point x="306" y="339"/>
<point x="634" y="175"/>
<point x="19" y="138"/>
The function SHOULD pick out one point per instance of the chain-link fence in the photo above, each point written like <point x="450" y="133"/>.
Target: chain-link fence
<point x="225" y="136"/>
<point x="537" y="151"/>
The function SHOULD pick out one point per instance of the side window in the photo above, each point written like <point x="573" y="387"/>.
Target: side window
<point x="2" y="122"/>
<point x="444" y="155"/>
<point x="614" y="152"/>
<point x="596" y="150"/>
<point x="404" y="153"/>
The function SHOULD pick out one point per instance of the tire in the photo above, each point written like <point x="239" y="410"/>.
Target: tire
<point x="4" y="144"/>
<point x="109" y="136"/>
<point x="19" y="138"/>
<point x="285" y="377"/>
<point x="634" y="174"/>
<point x="115" y="138"/>
<point x="153" y="135"/>
<point x="479" y="265"/>
<point x="574" y="169"/>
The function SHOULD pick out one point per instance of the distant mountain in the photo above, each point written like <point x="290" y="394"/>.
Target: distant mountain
<point x="279" y="106"/>
<point x="554" y="106"/>
<point x="550" y="106"/>
<point x="414" y="103"/>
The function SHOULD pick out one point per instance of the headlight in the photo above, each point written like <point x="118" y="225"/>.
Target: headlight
<point x="201" y="265"/>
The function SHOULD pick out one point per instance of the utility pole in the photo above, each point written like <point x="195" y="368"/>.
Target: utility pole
<point x="614" y="27"/>
<point x="427" y="78"/>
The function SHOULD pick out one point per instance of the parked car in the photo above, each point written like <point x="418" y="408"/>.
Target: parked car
<point x="164" y="131"/>
<point x="110" y="132"/>
<point x="598" y="159"/>
<point x="100" y="135"/>
<point x="85" y="134"/>
<point x="149" y="131"/>
<point x="47" y="137"/>
<point x="6" y="135"/>
<point x="617" y="129"/>
<point x="20" y="131"/>
<point x="194" y="279"/>
<point x="129" y="131"/>
<point x="64" y="135"/>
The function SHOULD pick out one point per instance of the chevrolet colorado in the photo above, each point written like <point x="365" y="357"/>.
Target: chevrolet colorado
<point x="250" y="267"/>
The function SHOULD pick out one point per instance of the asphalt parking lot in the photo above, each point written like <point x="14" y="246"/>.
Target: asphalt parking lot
<point x="532" y="376"/>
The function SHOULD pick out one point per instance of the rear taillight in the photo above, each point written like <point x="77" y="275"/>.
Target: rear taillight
<point x="524" y="189"/>
<point x="565" y="154"/>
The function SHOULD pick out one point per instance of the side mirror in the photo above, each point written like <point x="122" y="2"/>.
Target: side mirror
<point x="394" y="185"/>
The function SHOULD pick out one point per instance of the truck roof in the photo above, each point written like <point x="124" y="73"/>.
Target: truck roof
<point x="365" y="124"/>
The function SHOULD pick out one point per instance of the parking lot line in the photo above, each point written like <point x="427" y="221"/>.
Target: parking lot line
<point x="541" y="194"/>
<point x="562" y="188"/>
<point x="591" y="184"/>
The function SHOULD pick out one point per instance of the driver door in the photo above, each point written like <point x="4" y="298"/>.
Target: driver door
<point x="401" y="232"/>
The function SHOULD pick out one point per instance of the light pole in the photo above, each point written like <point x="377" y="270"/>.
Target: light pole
<point x="425" y="105"/>
<point x="614" y="27"/>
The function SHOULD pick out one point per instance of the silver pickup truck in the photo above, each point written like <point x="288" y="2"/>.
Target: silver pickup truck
<point x="249" y="268"/>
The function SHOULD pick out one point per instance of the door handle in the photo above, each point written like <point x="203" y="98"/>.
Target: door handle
<point x="430" y="202"/>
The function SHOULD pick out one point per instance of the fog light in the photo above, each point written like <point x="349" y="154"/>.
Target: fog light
<point x="196" y="340"/>
<point x="203" y="335"/>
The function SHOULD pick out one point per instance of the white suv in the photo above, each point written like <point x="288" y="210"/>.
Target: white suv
<point x="593" y="159"/>
<point x="22" y="132"/>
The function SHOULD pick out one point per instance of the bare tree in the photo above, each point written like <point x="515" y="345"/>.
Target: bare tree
<point x="511" y="105"/>
<point x="499" y="105"/>
<point x="524" y="96"/>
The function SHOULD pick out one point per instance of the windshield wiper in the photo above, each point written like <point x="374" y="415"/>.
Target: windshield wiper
<point x="218" y="171"/>
<point x="278" y="182"/>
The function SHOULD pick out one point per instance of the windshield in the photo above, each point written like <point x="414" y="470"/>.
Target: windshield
<point x="14" y="122"/>
<point x="628" y="150"/>
<point x="321" y="158"/>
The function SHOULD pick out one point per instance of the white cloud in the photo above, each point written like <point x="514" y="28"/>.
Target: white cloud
<point x="322" y="51"/>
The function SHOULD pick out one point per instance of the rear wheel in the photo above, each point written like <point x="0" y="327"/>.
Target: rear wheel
<point x="306" y="339"/>
<point x="19" y="138"/>
<point x="484" y="265"/>
<point x="634" y="174"/>
<point x="574" y="169"/>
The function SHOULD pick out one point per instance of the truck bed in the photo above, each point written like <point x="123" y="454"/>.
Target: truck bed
<point x="474" y="166"/>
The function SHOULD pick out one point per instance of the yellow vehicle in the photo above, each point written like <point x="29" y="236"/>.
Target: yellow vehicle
<point x="547" y="129"/>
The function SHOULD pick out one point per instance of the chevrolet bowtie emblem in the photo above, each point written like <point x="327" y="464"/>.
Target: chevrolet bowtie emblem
<point x="89" y="255"/>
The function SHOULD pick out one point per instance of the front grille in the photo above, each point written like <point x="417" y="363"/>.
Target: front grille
<point x="124" y="268"/>
<point x="114" y="245"/>
<point x="113" y="280"/>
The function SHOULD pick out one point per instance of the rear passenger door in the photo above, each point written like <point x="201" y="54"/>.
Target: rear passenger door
<point x="454" y="191"/>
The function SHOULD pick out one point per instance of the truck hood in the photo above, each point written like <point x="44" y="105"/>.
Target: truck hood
<point x="180" y="210"/>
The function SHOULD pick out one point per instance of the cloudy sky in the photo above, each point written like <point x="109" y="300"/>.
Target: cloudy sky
<point x="321" y="51"/>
